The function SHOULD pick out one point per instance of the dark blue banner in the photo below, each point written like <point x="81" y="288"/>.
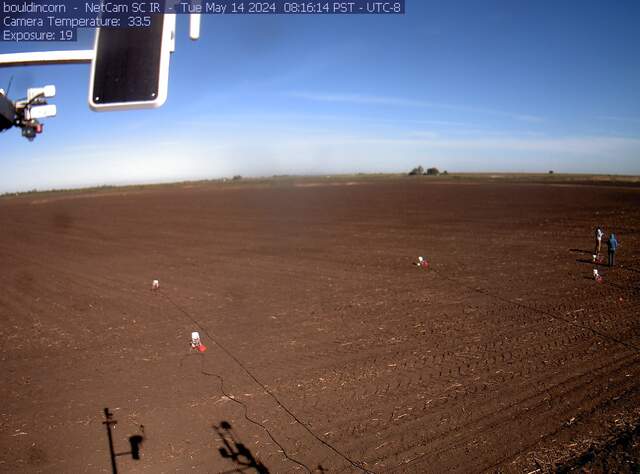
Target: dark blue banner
<point x="51" y="20"/>
<point x="88" y="8"/>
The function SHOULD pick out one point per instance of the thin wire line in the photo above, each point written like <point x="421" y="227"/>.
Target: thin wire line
<point x="539" y="311"/>
<point x="601" y="334"/>
<point x="248" y="418"/>
<point x="271" y="394"/>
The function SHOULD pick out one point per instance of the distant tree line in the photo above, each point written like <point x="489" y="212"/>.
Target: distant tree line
<point x="419" y="171"/>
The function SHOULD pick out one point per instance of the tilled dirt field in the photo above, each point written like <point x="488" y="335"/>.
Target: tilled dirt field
<point x="328" y="351"/>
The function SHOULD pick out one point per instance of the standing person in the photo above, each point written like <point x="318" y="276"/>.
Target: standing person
<point x="612" y="244"/>
<point x="599" y="235"/>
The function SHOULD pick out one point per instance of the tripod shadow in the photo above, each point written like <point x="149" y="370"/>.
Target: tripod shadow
<point x="135" y="441"/>
<point x="236" y="451"/>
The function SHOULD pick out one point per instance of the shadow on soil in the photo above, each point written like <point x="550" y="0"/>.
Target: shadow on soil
<point x="619" y="455"/>
<point x="588" y="252"/>
<point x="600" y="263"/>
<point x="135" y="441"/>
<point x="236" y="451"/>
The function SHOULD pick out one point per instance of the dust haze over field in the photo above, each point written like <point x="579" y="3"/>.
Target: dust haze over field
<point x="327" y="349"/>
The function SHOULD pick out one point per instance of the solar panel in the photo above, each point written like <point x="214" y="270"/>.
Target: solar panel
<point x="131" y="65"/>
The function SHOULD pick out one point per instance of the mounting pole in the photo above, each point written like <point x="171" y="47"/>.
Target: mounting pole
<point x="47" y="57"/>
<point x="110" y="421"/>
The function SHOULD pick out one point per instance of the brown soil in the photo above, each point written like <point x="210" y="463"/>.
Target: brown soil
<point x="327" y="349"/>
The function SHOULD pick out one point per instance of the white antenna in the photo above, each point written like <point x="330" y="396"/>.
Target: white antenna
<point x="194" y="26"/>
<point x="194" y="23"/>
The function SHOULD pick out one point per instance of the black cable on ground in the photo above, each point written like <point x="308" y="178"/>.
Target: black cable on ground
<point x="268" y="392"/>
<point x="225" y="394"/>
<point x="540" y="311"/>
<point x="249" y="419"/>
<point x="311" y="432"/>
<point x="598" y="333"/>
<point x="245" y="411"/>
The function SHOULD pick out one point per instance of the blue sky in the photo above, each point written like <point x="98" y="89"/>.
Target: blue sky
<point x="481" y="85"/>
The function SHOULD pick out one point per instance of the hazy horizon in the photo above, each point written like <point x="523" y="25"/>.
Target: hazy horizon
<point x="457" y="174"/>
<point x="467" y="87"/>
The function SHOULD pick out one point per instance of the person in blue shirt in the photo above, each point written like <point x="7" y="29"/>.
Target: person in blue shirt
<point x="612" y="244"/>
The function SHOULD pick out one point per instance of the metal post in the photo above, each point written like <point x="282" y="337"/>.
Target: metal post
<point x="46" y="57"/>
<point x="110" y="421"/>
